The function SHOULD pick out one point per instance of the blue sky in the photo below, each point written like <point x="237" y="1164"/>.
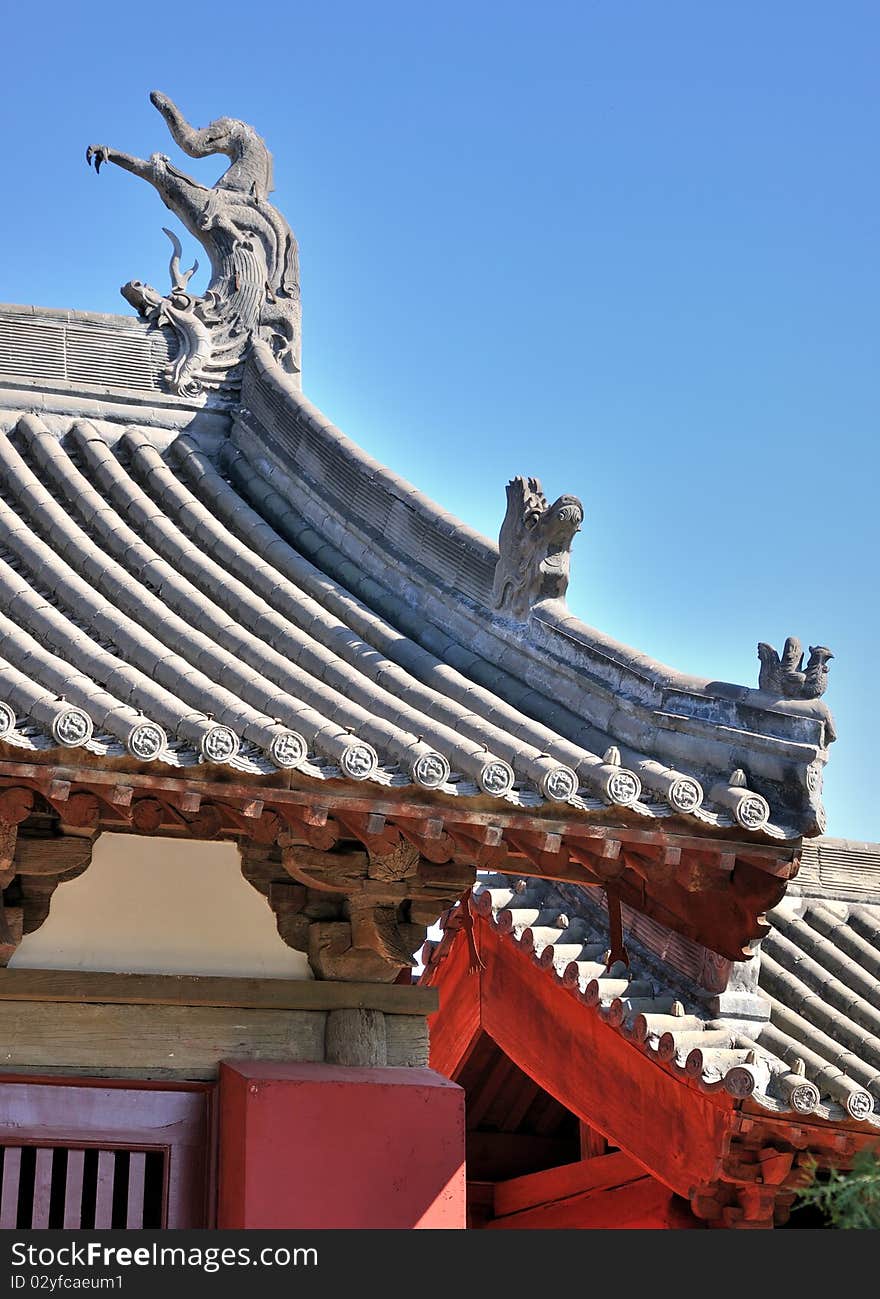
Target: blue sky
<point x="630" y="248"/>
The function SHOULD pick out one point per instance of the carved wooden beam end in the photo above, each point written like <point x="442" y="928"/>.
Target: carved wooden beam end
<point x="15" y="806"/>
<point x="30" y="871"/>
<point x="359" y="914"/>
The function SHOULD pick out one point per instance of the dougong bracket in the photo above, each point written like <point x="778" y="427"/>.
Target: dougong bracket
<point x="359" y="915"/>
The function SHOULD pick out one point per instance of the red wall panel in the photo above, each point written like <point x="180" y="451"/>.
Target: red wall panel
<point x="314" y="1145"/>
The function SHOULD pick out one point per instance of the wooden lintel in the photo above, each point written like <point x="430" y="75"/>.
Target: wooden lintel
<point x="439" y="877"/>
<point x="642" y="1202"/>
<point x="194" y="990"/>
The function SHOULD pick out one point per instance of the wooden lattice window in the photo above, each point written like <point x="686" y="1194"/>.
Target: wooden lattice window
<point x="96" y="1154"/>
<point x="62" y="1186"/>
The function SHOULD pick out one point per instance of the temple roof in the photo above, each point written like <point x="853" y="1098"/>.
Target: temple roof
<point x="236" y="583"/>
<point x="796" y="1028"/>
<point x="199" y="569"/>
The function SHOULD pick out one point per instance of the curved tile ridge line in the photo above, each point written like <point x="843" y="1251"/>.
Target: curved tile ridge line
<point x="267" y="377"/>
<point x="311" y="629"/>
<point x="560" y="712"/>
<point x="691" y="741"/>
<point x="58" y="721"/>
<point x="797" y="1044"/>
<point x="836" y="995"/>
<point x="37" y="672"/>
<point x="835" y="942"/>
<point x="266" y="369"/>
<point x="316" y="676"/>
<point x="280" y="742"/>
<point x="858" y="1048"/>
<point x="717" y="1053"/>
<point x="433" y="667"/>
<point x="571" y="640"/>
<point x="548" y="775"/>
<point x="64" y="611"/>
<point x="433" y="656"/>
<point x="433" y="686"/>
<point x="355" y="757"/>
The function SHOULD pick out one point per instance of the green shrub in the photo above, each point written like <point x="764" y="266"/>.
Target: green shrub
<point x="850" y="1199"/>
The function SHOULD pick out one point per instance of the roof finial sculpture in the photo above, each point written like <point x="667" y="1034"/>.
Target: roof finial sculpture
<point x="254" y="287"/>
<point x="785" y="676"/>
<point x="534" y="548"/>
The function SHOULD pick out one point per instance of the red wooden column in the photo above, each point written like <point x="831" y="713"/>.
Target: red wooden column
<point x="317" y="1145"/>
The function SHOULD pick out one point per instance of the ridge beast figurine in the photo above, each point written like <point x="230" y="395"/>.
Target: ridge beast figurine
<point x="534" y="548"/>
<point x="254" y="286"/>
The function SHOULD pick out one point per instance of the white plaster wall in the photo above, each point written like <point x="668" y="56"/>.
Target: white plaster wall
<point x="161" y="906"/>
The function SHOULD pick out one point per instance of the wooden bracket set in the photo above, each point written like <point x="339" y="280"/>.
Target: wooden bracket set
<point x="369" y="873"/>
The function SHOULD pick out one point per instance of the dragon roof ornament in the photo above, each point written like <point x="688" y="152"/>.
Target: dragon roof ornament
<point x="254" y="286"/>
<point x="534" y="548"/>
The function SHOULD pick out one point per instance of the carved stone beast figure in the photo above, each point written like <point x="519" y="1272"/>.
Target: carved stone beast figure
<point x="254" y="285"/>
<point x="786" y="677"/>
<point x="534" y="545"/>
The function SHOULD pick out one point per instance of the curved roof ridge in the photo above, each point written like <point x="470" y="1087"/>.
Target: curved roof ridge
<point x="72" y="315"/>
<point x="381" y="526"/>
<point x="553" y="613"/>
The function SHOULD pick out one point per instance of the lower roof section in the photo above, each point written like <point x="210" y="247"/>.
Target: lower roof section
<point x="794" y="1029"/>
